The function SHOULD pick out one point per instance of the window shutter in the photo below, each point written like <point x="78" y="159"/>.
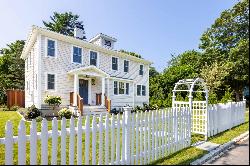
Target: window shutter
<point x="115" y="88"/>
<point x="127" y="88"/>
<point x="138" y="90"/>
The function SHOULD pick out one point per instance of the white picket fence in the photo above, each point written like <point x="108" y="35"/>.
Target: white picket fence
<point x="222" y="117"/>
<point x="133" y="138"/>
<point x="213" y="119"/>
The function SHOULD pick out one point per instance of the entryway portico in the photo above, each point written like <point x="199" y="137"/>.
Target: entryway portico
<point x="84" y="82"/>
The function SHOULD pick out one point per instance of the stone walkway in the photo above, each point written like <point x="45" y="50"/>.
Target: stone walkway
<point x="237" y="154"/>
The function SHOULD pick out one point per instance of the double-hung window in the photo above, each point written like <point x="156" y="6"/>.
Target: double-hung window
<point x="51" y="48"/>
<point x="77" y="54"/>
<point x="141" y="90"/>
<point x="121" y="88"/>
<point x="126" y="65"/>
<point x="51" y="82"/>
<point x="93" y="58"/>
<point x="141" y="70"/>
<point x="114" y="63"/>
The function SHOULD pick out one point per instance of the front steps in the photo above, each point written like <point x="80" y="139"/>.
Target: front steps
<point x="94" y="110"/>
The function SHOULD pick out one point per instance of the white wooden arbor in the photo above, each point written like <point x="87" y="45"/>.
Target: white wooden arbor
<point x="199" y="109"/>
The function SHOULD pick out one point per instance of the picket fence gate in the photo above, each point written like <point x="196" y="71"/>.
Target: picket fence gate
<point x="130" y="138"/>
<point x="214" y="118"/>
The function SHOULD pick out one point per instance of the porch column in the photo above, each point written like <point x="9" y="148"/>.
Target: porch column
<point x="103" y="91"/>
<point x="76" y="88"/>
<point x="108" y="87"/>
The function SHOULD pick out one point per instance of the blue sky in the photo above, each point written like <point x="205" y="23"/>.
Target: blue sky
<point x="153" y="28"/>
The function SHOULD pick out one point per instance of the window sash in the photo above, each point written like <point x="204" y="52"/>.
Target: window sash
<point x="115" y="88"/>
<point x="51" y="81"/>
<point x="126" y="65"/>
<point x="51" y="48"/>
<point x="77" y="54"/>
<point x="121" y="88"/>
<point x="93" y="58"/>
<point x="141" y="70"/>
<point x="114" y="63"/>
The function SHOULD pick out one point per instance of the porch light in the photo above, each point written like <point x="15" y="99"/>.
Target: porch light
<point x="92" y="81"/>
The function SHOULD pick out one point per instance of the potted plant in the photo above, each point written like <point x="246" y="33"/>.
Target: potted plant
<point x="53" y="101"/>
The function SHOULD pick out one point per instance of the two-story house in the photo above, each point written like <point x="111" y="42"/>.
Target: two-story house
<point x="57" y="64"/>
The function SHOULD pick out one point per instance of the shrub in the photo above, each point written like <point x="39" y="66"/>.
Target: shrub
<point x="39" y="119"/>
<point x="145" y="107"/>
<point x="65" y="113"/>
<point x="154" y="107"/>
<point x="53" y="100"/>
<point x="137" y="109"/>
<point x="32" y="112"/>
<point x="14" y="108"/>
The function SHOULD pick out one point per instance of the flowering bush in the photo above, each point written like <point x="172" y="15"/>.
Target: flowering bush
<point x="65" y="113"/>
<point x="53" y="100"/>
<point x="32" y="112"/>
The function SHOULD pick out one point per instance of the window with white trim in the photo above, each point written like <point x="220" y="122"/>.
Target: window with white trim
<point x="51" y="51"/>
<point x="141" y="70"/>
<point x="77" y="54"/>
<point x="126" y="65"/>
<point x="114" y="63"/>
<point x="93" y="58"/>
<point x="121" y="88"/>
<point x="141" y="90"/>
<point x="51" y="81"/>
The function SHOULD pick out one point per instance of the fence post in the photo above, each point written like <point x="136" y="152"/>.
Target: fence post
<point x="231" y="122"/>
<point x="127" y="112"/>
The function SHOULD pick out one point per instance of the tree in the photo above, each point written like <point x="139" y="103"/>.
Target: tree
<point x="11" y="68"/>
<point x="227" y="42"/>
<point x="63" y="23"/>
<point x="153" y="72"/>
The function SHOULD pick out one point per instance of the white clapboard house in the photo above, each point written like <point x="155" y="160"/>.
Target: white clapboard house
<point x="57" y="64"/>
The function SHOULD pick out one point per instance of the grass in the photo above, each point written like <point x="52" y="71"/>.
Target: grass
<point x="183" y="157"/>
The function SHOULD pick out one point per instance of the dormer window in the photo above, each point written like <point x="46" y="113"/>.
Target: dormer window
<point x="107" y="43"/>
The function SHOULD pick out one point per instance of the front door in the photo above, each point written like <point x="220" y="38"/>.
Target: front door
<point x="83" y="90"/>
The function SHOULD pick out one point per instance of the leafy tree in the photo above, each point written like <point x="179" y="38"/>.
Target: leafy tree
<point x="63" y="23"/>
<point x="153" y="72"/>
<point x="11" y="68"/>
<point x="227" y="42"/>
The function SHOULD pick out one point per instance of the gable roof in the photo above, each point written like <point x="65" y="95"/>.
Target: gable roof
<point x="35" y="31"/>
<point x="89" y="70"/>
<point x="103" y="36"/>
